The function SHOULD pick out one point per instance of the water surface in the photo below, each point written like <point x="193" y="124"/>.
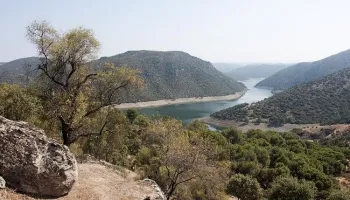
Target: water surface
<point x="188" y="111"/>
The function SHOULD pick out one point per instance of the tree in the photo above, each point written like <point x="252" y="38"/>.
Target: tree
<point x="72" y="90"/>
<point x="16" y="103"/>
<point x="292" y="189"/>
<point x="244" y="187"/>
<point x="176" y="158"/>
<point x="131" y="114"/>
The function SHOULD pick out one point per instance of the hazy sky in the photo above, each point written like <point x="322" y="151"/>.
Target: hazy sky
<point x="214" y="30"/>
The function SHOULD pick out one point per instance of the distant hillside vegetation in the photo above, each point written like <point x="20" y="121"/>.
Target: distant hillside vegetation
<point x="167" y="75"/>
<point x="173" y="74"/>
<point x="18" y="70"/>
<point x="325" y="101"/>
<point x="306" y="72"/>
<point x="255" y="71"/>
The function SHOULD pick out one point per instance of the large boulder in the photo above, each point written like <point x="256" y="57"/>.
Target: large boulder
<point x="32" y="163"/>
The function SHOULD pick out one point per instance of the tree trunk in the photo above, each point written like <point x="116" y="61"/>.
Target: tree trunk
<point x="67" y="132"/>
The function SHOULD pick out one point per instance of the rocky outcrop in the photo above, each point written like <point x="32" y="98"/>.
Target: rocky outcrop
<point x="156" y="187"/>
<point x="2" y="183"/>
<point x="32" y="163"/>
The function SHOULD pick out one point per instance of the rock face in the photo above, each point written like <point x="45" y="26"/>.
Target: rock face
<point x="32" y="163"/>
<point x="2" y="183"/>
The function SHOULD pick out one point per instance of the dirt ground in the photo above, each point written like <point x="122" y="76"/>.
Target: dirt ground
<point x="98" y="182"/>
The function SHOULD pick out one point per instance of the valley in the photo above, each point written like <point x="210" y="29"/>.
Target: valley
<point x="177" y="100"/>
<point x="190" y="111"/>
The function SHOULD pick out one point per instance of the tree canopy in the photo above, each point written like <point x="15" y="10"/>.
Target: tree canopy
<point x="71" y="89"/>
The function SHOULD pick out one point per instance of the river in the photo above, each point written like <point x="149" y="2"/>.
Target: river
<point x="189" y="111"/>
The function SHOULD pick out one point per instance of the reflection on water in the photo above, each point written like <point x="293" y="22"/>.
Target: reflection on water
<point x="187" y="112"/>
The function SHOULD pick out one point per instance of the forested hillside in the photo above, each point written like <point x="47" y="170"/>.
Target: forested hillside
<point x="325" y="101"/>
<point x="167" y="75"/>
<point x="306" y="72"/>
<point x="255" y="71"/>
<point x="18" y="70"/>
<point x="173" y="74"/>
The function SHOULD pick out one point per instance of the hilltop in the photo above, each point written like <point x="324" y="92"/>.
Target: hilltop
<point x="255" y="71"/>
<point x="325" y="101"/>
<point x="172" y="75"/>
<point x="306" y="72"/>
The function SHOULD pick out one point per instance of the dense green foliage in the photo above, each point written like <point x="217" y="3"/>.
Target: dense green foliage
<point x="306" y="72"/>
<point x="171" y="75"/>
<point x="255" y="71"/>
<point x="292" y="189"/>
<point x="244" y="187"/>
<point x="257" y="160"/>
<point x="325" y="101"/>
<point x="17" y="103"/>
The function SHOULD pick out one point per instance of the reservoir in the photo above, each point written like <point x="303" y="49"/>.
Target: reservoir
<point x="189" y="111"/>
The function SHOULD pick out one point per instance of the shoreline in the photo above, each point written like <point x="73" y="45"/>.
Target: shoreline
<point x="245" y="127"/>
<point x="165" y="102"/>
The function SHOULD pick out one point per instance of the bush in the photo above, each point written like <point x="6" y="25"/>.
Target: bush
<point x="244" y="187"/>
<point x="292" y="189"/>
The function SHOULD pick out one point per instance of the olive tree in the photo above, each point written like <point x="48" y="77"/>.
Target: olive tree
<point x="73" y="91"/>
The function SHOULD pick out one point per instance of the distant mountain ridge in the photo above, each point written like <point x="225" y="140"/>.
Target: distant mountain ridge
<point x="173" y="74"/>
<point x="17" y="70"/>
<point x="167" y="75"/>
<point x="325" y="101"/>
<point x="256" y="71"/>
<point x="306" y="71"/>
<point x="227" y="67"/>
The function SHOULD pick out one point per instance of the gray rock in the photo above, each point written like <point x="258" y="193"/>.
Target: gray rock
<point x="2" y="183"/>
<point x="32" y="163"/>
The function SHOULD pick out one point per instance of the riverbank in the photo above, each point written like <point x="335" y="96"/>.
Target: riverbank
<point x="246" y="127"/>
<point x="165" y="102"/>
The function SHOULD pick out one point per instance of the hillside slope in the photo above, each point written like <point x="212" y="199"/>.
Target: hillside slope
<point x="306" y="72"/>
<point x="97" y="181"/>
<point x="255" y="71"/>
<point x="325" y="101"/>
<point x="17" y="70"/>
<point x="173" y="74"/>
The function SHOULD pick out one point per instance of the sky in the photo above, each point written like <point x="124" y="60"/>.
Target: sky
<point x="215" y="30"/>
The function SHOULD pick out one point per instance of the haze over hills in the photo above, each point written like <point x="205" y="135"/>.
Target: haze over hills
<point x="173" y="74"/>
<point x="260" y="70"/>
<point x="306" y="71"/>
<point x="325" y="101"/>
<point x="227" y="67"/>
